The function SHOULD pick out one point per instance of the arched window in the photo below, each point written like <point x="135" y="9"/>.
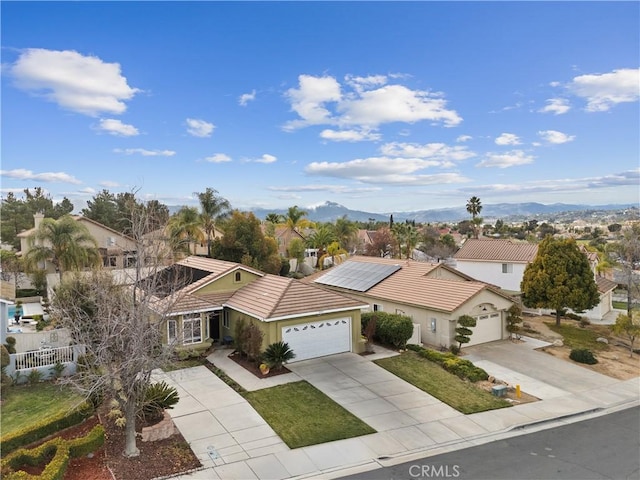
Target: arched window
<point x="238" y="277"/>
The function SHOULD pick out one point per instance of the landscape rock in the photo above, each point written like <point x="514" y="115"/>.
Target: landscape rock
<point x="558" y="343"/>
<point x="602" y="340"/>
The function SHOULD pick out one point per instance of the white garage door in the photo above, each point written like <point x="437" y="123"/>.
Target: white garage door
<point x="317" y="339"/>
<point x="488" y="329"/>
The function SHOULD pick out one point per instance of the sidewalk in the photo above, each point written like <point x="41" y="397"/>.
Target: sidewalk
<point x="233" y="442"/>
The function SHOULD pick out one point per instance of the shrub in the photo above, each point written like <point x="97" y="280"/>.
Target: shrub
<point x="11" y="344"/>
<point x="458" y="366"/>
<point x="158" y="397"/>
<point x="573" y="316"/>
<point x="582" y="355"/>
<point x="277" y="354"/>
<point x="463" y="331"/>
<point x="239" y="335"/>
<point x="35" y="376"/>
<point x="391" y="329"/>
<point x="252" y="340"/>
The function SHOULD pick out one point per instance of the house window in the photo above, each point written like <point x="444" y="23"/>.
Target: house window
<point x="434" y="323"/>
<point x="110" y="261"/>
<point x="225" y="319"/>
<point x="172" y="330"/>
<point x="377" y="308"/>
<point x="238" y="277"/>
<point x="130" y="261"/>
<point x="507" y="268"/>
<point x="191" y="329"/>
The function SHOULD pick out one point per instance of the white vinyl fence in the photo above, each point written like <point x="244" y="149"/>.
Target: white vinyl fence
<point x="44" y="359"/>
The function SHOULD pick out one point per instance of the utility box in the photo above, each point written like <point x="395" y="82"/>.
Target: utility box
<point x="499" y="390"/>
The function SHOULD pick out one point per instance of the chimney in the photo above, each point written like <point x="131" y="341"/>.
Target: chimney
<point x="37" y="218"/>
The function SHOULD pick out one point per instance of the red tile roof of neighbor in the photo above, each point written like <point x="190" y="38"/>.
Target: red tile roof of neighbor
<point x="604" y="284"/>
<point x="413" y="285"/>
<point x="497" y="251"/>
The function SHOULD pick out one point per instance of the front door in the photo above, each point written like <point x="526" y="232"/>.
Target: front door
<point x="214" y="325"/>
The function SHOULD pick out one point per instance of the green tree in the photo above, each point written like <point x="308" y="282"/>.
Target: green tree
<point x="11" y="265"/>
<point x="628" y="326"/>
<point x="626" y="254"/>
<point x="103" y="209"/>
<point x="185" y="228"/>
<point x="514" y="319"/>
<point x="67" y="244"/>
<point x="274" y="218"/>
<point x="559" y="278"/>
<point x="296" y="250"/>
<point x="213" y="208"/>
<point x="295" y="218"/>
<point x="474" y="207"/>
<point x="345" y="232"/>
<point x="243" y="242"/>
<point x="322" y="236"/>
<point x="463" y="330"/>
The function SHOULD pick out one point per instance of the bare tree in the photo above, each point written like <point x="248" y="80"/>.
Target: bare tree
<point x="120" y="320"/>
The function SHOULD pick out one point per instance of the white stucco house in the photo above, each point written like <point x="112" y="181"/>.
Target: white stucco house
<point x="502" y="263"/>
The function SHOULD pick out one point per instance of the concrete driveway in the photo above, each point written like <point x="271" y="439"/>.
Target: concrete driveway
<point x="537" y="373"/>
<point x="376" y="396"/>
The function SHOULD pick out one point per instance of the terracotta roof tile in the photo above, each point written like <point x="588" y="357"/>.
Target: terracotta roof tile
<point x="604" y="284"/>
<point x="496" y="251"/>
<point x="272" y="297"/>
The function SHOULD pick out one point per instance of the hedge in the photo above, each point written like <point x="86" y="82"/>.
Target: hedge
<point x="391" y="329"/>
<point x="45" y="427"/>
<point x="57" y="450"/>
<point x="456" y="365"/>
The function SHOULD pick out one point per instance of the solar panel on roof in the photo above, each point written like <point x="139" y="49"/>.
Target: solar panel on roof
<point x="358" y="276"/>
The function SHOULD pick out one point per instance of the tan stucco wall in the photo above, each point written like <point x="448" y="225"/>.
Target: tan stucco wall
<point x="227" y="283"/>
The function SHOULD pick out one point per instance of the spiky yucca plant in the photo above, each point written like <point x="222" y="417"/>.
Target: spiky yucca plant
<point x="277" y="354"/>
<point x="158" y="398"/>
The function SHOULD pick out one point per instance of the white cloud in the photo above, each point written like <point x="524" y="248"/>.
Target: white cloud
<point x="109" y="184"/>
<point x="464" y="138"/>
<point x="218" y="158"/>
<point x="508" y="139"/>
<point x="367" y="103"/>
<point x="199" y="128"/>
<point x="246" y="98"/>
<point x="603" y="91"/>
<point x="48" y="177"/>
<point x="116" y="127"/>
<point x="83" y="84"/>
<point x="349" y="135"/>
<point x="145" y="153"/>
<point x="555" y="137"/>
<point x="557" y="106"/>
<point x="266" y="158"/>
<point x="325" y="188"/>
<point x="309" y="100"/>
<point x="87" y="190"/>
<point x="384" y="170"/>
<point x="436" y="151"/>
<point x="506" y="160"/>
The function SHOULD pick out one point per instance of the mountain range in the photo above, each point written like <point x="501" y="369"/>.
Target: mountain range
<point x="330" y="211"/>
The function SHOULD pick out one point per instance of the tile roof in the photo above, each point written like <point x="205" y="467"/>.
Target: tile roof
<point x="413" y="285"/>
<point x="604" y="284"/>
<point x="217" y="268"/>
<point x="497" y="251"/>
<point x="272" y="297"/>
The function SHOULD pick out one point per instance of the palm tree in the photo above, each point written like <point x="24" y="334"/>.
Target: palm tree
<point x="295" y="218"/>
<point x="274" y="218"/>
<point x="345" y="231"/>
<point x="474" y="207"/>
<point x="184" y="228"/>
<point x="321" y="238"/>
<point x="213" y="208"/>
<point x="65" y="243"/>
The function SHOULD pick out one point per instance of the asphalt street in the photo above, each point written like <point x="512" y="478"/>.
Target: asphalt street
<point x="605" y="447"/>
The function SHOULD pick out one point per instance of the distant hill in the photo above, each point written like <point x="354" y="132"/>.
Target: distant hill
<point x="330" y="211"/>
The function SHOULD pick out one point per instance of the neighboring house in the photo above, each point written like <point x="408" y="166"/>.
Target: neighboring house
<point x="284" y="235"/>
<point x="160" y="239"/>
<point x="364" y="238"/>
<point x="117" y="250"/>
<point x="220" y="294"/>
<point x="502" y="263"/>
<point x="433" y="295"/>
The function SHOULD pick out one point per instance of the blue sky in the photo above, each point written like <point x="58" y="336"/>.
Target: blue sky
<point x="379" y="106"/>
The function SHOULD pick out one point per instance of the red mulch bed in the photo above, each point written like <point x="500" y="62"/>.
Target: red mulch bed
<point x="157" y="459"/>
<point x="254" y="367"/>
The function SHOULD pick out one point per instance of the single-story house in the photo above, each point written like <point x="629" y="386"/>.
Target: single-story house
<point x="433" y="295"/>
<point x="502" y="263"/>
<point x="219" y="294"/>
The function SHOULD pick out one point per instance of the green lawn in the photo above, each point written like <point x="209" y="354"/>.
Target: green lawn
<point x="576" y="337"/>
<point x="28" y="404"/>
<point x="302" y="415"/>
<point x="433" y="379"/>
